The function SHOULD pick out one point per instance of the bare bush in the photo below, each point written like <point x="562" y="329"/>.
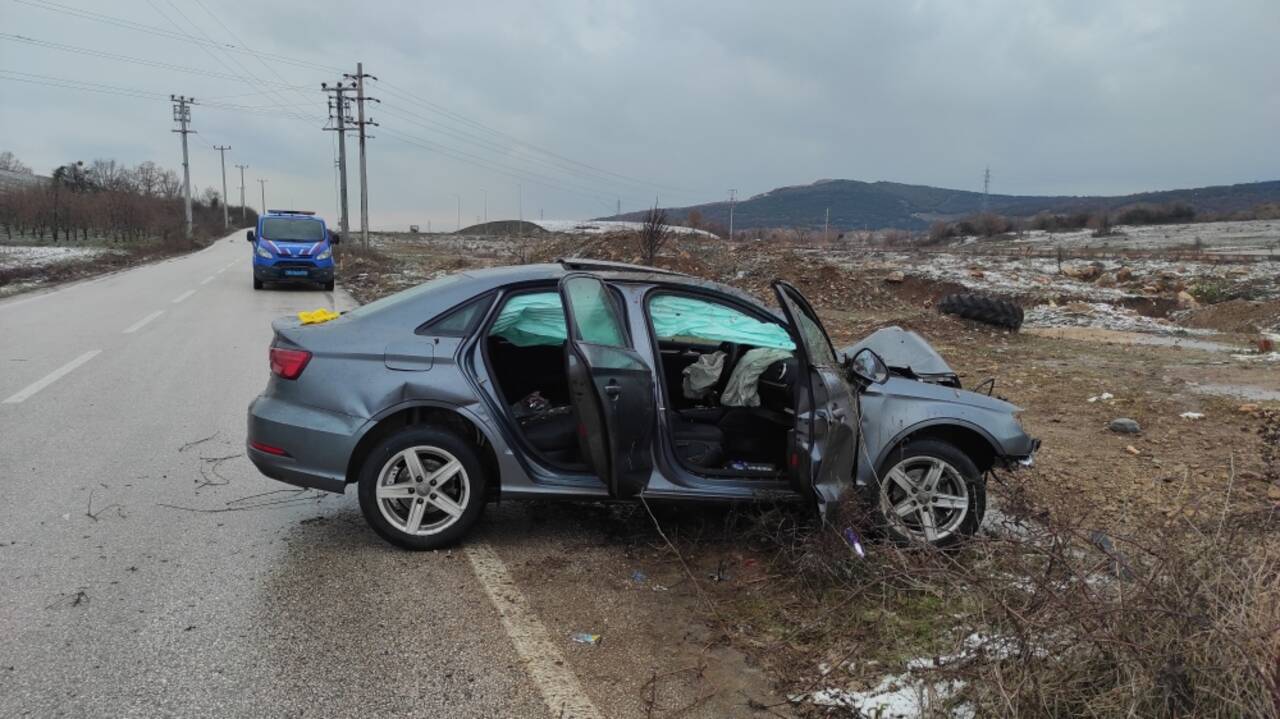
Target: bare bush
<point x="1176" y="616"/>
<point x="654" y="234"/>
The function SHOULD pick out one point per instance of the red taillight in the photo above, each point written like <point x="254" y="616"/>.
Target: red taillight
<point x="287" y="363"/>
<point x="269" y="449"/>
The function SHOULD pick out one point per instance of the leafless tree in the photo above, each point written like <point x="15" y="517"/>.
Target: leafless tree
<point x="146" y="178"/>
<point x="654" y="234"/>
<point x="11" y="163"/>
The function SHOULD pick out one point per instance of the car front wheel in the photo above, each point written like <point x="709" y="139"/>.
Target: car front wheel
<point x="422" y="488"/>
<point x="930" y="492"/>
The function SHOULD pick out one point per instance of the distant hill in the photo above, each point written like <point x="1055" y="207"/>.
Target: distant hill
<point x="856" y="204"/>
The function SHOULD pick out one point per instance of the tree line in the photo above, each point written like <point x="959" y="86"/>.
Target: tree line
<point x="105" y="200"/>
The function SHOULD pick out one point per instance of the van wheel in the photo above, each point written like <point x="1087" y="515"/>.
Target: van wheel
<point x="422" y="488"/>
<point x="930" y="492"/>
<point x="257" y="283"/>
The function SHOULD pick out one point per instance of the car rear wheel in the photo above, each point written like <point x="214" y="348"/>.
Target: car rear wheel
<point x="422" y="488"/>
<point x="930" y="492"/>
<point x="257" y="283"/>
<point x="328" y="286"/>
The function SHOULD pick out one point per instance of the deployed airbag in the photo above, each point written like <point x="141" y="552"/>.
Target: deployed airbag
<point x="742" y="390"/>
<point x="537" y="318"/>
<point x="701" y="376"/>
<point x="676" y="317"/>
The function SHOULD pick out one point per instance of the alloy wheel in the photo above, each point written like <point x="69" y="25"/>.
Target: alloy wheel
<point x="422" y="490"/>
<point x="924" y="498"/>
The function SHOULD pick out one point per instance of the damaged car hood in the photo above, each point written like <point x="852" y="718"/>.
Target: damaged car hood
<point x="902" y="350"/>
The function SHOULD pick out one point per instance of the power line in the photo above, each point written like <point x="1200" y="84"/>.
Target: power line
<point x="388" y="87"/>
<point x="79" y="50"/>
<point x="433" y="107"/>
<point x="162" y="32"/>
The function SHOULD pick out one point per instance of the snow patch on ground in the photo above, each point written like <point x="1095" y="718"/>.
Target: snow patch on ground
<point x="600" y="227"/>
<point x="1256" y="237"/>
<point x="38" y="256"/>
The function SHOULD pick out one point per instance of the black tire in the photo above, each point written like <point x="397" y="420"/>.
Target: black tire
<point x="257" y="283"/>
<point x="982" y="308"/>
<point x="920" y="454"/>
<point x="328" y="286"/>
<point x="427" y="440"/>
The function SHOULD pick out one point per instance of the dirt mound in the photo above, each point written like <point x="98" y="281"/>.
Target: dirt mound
<point x="1245" y="316"/>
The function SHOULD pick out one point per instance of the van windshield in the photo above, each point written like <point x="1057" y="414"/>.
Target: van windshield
<point x="290" y="229"/>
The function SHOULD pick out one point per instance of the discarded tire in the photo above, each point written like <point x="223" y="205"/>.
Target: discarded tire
<point x="984" y="309"/>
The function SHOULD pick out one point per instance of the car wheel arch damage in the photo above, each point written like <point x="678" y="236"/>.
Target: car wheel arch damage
<point x="425" y="415"/>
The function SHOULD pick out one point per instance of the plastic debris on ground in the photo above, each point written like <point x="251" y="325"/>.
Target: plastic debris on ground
<point x="854" y="541"/>
<point x="639" y="577"/>
<point x="1192" y="415"/>
<point x="1104" y="397"/>
<point x="585" y="638"/>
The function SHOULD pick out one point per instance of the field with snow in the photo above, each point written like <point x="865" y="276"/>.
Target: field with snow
<point x="601" y="227"/>
<point x="41" y="256"/>
<point x="1254" y="237"/>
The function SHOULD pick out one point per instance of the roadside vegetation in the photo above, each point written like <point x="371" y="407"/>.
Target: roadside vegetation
<point x="1125" y="575"/>
<point x="85" y="219"/>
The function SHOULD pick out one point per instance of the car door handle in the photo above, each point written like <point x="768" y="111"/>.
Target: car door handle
<point x="613" y="389"/>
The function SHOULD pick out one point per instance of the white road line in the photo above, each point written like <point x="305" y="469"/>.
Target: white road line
<point x="52" y="377"/>
<point x="207" y="280"/>
<point x="183" y="296"/>
<point x="546" y="665"/>
<point x="142" y="322"/>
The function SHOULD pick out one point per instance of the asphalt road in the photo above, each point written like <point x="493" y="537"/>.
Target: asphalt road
<point x="146" y="569"/>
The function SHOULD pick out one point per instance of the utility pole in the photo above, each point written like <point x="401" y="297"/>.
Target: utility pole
<point x="986" y="187"/>
<point x="263" y="185"/>
<point x="486" y="204"/>
<point x="826" y="226"/>
<point x="244" y="215"/>
<point x="733" y="199"/>
<point x="459" y="229"/>
<point x="361" y="124"/>
<point x="222" y="151"/>
<point x="618" y="209"/>
<point x="182" y="116"/>
<point x="339" y="109"/>
<point x="521" y="190"/>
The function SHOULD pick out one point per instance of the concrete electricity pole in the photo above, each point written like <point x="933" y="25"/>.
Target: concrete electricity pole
<point x="362" y="123"/>
<point x="182" y="116"/>
<point x="733" y="199"/>
<point x="244" y="216"/>
<point x="986" y="187"/>
<point x="339" y="107"/>
<point x="459" y="227"/>
<point x="826" y="225"/>
<point x="222" y="151"/>
<point x="262" y="184"/>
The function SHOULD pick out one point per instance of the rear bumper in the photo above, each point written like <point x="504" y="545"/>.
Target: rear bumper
<point x="275" y="273"/>
<point x="319" y="443"/>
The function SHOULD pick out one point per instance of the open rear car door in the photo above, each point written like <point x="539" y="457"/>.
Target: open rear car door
<point x="610" y="386"/>
<point x="826" y="437"/>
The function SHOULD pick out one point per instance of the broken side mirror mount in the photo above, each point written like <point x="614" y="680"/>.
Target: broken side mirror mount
<point x="867" y="367"/>
<point x="248" y="235"/>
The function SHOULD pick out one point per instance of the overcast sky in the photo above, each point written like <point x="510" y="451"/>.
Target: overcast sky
<point x="586" y="103"/>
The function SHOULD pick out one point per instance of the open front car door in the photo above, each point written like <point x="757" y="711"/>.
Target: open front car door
<point x="610" y="386"/>
<point x="826" y="438"/>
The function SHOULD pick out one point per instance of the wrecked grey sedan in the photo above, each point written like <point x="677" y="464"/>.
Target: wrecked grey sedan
<point x="597" y="380"/>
